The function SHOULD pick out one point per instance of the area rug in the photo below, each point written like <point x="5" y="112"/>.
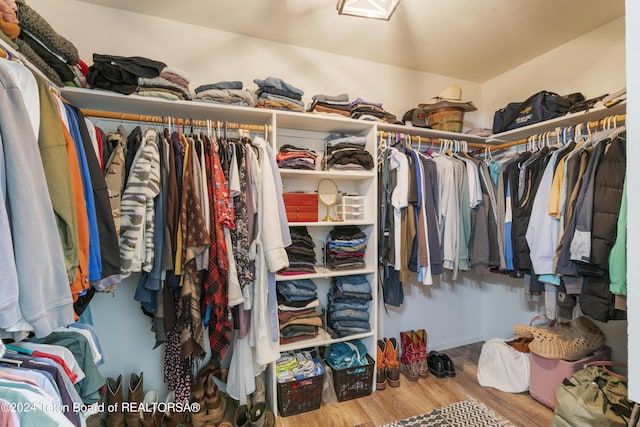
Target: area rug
<point x="467" y="413"/>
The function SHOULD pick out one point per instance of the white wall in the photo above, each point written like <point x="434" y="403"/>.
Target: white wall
<point x="633" y="175"/>
<point x="593" y="64"/>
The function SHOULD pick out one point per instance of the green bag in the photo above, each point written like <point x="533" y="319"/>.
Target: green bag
<point x="593" y="396"/>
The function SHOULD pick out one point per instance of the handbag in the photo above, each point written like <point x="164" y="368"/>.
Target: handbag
<point x="539" y="107"/>
<point x="593" y="396"/>
<point x="569" y="341"/>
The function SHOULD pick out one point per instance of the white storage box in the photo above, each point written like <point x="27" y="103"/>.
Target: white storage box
<point x="351" y="207"/>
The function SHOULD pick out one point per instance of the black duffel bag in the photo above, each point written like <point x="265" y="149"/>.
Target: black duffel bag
<point x="539" y="107"/>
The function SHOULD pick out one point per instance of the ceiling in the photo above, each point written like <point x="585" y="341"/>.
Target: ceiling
<point x="436" y="36"/>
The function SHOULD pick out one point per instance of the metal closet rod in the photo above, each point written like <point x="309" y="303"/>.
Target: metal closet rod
<point x="427" y="139"/>
<point x="617" y="120"/>
<point x="176" y="121"/>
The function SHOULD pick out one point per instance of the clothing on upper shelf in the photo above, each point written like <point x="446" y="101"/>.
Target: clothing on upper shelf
<point x="275" y="93"/>
<point x="291" y="157"/>
<point x="121" y="74"/>
<point x="338" y="105"/>
<point x="347" y="152"/>
<point x="171" y="84"/>
<point x="230" y="93"/>
<point x="297" y="324"/>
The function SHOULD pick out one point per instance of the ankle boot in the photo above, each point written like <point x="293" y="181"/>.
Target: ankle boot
<point x="114" y="400"/>
<point x="381" y="381"/>
<point x="257" y="414"/>
<point x="136" y="396"/>
<point x="409" y="357"/>
<point x="241" y="417"/>
<point x="420" y="341"/>
<point x="258" y="396"/>
<point x="229" y="414"/>
<point x="391" y="364"/>
<point x="170" y="418"/>
<point x="210" y="416"/>
<point x="149" y="415"/>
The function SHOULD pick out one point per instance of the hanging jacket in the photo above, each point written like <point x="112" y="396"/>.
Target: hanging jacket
<point x="618" y="254"/>
<point x="608" y="184"/>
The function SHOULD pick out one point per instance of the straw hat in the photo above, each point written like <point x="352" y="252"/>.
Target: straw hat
<point x="451" y="97"/>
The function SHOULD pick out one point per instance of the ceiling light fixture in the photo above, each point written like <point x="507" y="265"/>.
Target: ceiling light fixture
<point x="375" y="9"/>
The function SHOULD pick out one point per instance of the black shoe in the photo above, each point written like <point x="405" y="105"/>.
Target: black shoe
<point x="436" y="365"/>
<point x="449" y="369"/>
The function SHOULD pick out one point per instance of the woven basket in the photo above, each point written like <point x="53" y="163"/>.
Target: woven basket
<point x="567" y="341"/>
<point x="448" y="119"/>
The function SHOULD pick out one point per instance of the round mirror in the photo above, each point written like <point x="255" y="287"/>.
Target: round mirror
<point x="327" y="195"/>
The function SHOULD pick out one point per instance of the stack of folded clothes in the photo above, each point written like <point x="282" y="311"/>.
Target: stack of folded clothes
<point x="345" y="248"/>
<point x="348" y="306"/>
<point x="331" y="105"/>
<point x="228" y="92"/>
<point x="346" y="152"/>
<point x="53" y="54"/>
<point x="172" y="84"/>
<point x="301" y="253"/>
<point x="290" y="157"/>
<point x="298" y="365"/>
<point x="298" y="315"/>
<point x="277" y="94"/>
<point x="365" y="110"/>
<point x="121" y="73"/>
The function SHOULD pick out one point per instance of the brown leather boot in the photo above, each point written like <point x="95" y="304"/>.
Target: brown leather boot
<point x="420" y="341"/>
<point x="136" y="396"/>
<point x="114" y="400"/>
<point x="381" y="380"/>
<point x="391" y="364"/>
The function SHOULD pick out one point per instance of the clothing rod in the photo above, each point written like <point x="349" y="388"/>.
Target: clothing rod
<point x="176" y="121"/>
<point x="427" y="139"/>
<point x="594" y="125"/>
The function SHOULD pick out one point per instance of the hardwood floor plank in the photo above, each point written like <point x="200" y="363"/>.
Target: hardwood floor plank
<point x="424" y="395"/>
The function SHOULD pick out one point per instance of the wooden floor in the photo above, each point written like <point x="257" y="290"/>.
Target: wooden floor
<point x="414" y="398"/>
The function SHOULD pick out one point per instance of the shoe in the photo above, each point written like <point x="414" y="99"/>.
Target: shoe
<point x="391" y="364"/>
<point x="381" y="381"/>
<point x="436" y="365"/>
<point x="449" y="369"/>
<point x="114" y="400"/>
<point x="409" y="357"/>
<point x="136" y="396"/>
<point x="242" y="417"/>
<point x="149" y="416"/>
<point x="170" y="418"/>
<point x="420" y="341"/>
<point x="257" y="415"/>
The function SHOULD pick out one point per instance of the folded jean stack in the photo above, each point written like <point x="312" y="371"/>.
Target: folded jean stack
<point x="277" y="94"/>
<point x="338" y="105"/>
<point x="53" y="54"/>
<point x="298" y="312"/>
<point x="171" y="84"/>
<point x="121" y="73"/>
<point x="227" y="92"/>
<point x="347" y="152"/>
<point x="301" y="253"/>
<point x="298" y="365"/>
<point x="348" y="306"/>
<point x="345" y="248"/>
<point x="290" y="157"/>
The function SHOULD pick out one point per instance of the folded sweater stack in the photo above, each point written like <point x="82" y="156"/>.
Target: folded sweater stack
<point x="228" y="92"/>
<point x="277" y="94"/>
<point x="338" y="105"/>
<point x="171" y="83"/>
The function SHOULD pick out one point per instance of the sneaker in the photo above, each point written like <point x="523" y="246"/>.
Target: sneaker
<point x="449" y="369"/>
<point x="436" y="365"/>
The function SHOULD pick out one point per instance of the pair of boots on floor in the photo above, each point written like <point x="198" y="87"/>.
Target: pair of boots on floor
<point x="412" y="362"/>
<point x="219" y="410"/>
<point x="136" y="399"/>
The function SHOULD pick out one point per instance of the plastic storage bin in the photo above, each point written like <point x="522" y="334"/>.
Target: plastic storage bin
<point x="547" y="374"/>
<point x="352" y="383"/>
<point x="351" y="207"/>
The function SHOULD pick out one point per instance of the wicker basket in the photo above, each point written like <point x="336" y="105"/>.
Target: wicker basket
<point x="448" y="119"/>
<point x="567" y="341"/>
